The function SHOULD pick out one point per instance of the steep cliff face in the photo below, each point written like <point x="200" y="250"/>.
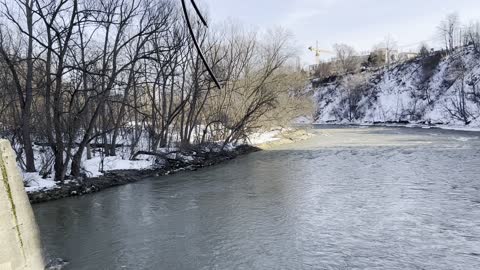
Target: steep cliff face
<point x="435" y="89"/>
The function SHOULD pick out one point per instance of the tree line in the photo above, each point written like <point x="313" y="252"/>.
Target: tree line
<point x="79" y="73"/>
<point x="451" y="34"/>
<point x="360" y="79"/>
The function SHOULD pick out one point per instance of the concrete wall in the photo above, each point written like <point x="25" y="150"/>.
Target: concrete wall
<point x="19" y="239"/>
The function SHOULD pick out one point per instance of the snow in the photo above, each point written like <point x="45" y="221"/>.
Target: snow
<point x="35" y="182"/>
<point x="405" y="94"/>
<point x="93" y="166"/>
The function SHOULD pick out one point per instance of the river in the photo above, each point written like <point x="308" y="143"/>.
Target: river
<point x="349" y="198"/>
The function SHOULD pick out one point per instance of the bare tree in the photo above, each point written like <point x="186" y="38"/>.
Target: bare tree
<point x="377" y="58"/>
<point x="82" y="76"/>
<point x="324" y="70"/>
<point x="346" y="58"/>
<point x="354" y="86"/>
<point x="15" y="60"/>
<point x="448" y="31"/>
<point x="457" y="106"/>
<point x="424" y="51"/>
<point x="472" y="35"/>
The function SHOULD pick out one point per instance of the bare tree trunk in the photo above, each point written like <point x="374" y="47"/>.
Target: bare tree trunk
<point x="26" y="113"/>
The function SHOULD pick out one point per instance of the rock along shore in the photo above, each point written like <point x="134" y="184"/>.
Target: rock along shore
<point x="80" y="187"/>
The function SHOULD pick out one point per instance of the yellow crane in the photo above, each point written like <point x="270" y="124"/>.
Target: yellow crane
<point x="317" y="52"/>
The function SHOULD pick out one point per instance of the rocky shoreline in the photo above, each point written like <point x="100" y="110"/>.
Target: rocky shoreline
<point x="80" y="187"/>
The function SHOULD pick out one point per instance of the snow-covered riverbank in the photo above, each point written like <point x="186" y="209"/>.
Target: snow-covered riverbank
<point x="131" y="171"/>
<point x="103" y="172"/>
<point x="436" y="90"/>
<point x="35" y="182"/>
<point x="406" y="125"/>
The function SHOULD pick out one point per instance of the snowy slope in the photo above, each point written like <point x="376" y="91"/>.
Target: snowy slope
<point x="425" y="90"/>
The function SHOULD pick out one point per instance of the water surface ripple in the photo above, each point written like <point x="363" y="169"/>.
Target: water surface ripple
<point x="373" y="198"/>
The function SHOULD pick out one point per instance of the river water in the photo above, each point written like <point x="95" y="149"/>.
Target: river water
<point x="351" y="198"/>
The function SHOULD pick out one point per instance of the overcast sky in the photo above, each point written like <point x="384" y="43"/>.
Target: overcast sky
<point x="360" y="23"/>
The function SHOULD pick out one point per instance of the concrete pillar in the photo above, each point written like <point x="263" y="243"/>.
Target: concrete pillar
<point x="19" y="238"/>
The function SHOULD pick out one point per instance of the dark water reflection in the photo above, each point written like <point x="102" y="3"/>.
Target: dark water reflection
<point x="347" y="199"/>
